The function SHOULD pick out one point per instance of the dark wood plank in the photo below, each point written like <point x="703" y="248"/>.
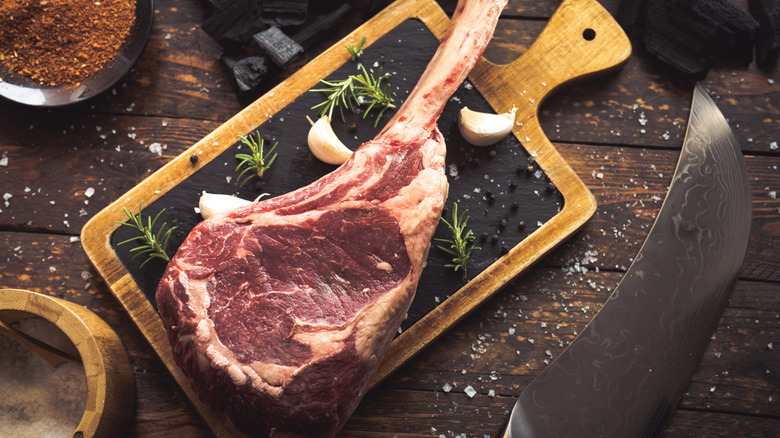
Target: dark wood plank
<point x="630" y="185"/>
<point x="506" y="343"/>
<point x="621" y="133"/>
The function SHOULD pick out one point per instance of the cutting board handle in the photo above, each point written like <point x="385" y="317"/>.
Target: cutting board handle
<point x="581" y="40"/>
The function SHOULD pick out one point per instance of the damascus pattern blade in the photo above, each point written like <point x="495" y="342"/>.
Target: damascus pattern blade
<point x="624" y="375"/>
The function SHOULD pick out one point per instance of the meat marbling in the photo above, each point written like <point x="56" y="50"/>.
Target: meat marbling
<point x="280" y="312"/>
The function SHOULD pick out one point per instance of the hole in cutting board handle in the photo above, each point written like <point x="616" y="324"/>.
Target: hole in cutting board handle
<point x="589" y="34"/>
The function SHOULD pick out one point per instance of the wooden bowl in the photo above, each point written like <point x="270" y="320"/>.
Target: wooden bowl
<point x="109" y="376"/>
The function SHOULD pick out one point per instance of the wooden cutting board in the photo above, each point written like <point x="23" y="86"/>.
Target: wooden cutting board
<point x="521" y="179"/>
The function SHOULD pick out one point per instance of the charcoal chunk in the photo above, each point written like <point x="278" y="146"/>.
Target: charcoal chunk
<point x="279" y="47"/>
<point x="246" y="72"/>
<point x="691" y="35"/>
<point x="733" y="19"/>
<point x="283" y="13"/>
<point x="234" y="23"/>
<point x="323" y="27"/>
<point x="767" y="13"/>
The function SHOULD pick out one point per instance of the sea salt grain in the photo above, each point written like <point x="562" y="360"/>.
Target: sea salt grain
<point x="156" y="148"/>
<point x="471" y="392"/>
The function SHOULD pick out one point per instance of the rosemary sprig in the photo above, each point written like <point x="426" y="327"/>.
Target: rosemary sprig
<point x="256" y="163"/>
<point x="356" y="90"/>
<point x="340" y="95"/>
<point x="461" y="244"/>
<point x="151" y="244"/>
<point x="355" y="52"/>
<point x="368" y="89"/>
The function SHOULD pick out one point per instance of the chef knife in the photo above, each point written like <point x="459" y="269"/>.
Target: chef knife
<point x="625" y="373"/>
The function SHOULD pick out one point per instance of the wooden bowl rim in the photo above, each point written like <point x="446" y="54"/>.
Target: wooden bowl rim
<point x="110" y="384"/>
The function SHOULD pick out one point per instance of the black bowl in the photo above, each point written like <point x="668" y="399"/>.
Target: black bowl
<point x="29" y="92"/>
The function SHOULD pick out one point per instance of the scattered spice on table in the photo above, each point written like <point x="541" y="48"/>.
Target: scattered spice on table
<point x="60" y="42"/>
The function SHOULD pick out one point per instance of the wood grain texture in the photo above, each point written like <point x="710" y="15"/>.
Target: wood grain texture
<point x="620" y="133"/>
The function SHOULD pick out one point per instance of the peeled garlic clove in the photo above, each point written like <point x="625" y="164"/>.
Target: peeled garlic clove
<point x="210" y="204"/>
<point x="483" y="129"/>
<point x="324" y="144"/>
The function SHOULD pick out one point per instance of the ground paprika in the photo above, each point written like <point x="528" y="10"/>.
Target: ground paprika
<point x="59" y="42"/>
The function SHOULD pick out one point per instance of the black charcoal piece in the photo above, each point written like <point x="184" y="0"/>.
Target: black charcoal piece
<point x="322" y="28"/>
<point x="284" y="12"/>
<point x="234" y="23"/>
<point x="683" y="38"/>
<point x="279" y="47"/>
<point x="247" y="72"/>
<point x="767" y="13"/>
<point x="729" y="17"/>
<point x="691" y="35"/>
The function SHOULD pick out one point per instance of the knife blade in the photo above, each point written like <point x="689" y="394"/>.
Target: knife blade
<point x="624" y="375"/>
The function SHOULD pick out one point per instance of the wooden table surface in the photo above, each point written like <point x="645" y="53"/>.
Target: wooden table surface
<point x="621" y="133"/>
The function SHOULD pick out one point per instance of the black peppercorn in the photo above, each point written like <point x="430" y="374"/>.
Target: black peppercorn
<point x="504" y="250"/>
<point x="521" y="225"/>
<point x="193" y="158"/>
<point x="492" y="154"/>
<point x="512" y="185"/>
<point x="494" y="238"/>
<point x="502" y="223"/>
<point x="515" y="206"/>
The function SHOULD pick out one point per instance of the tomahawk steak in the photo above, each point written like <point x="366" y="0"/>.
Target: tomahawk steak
<point x="279" y="312"/>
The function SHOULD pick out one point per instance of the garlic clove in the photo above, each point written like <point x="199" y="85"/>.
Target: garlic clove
<point x="483" y="129"/>
<point x="324" y="144"/>
<point x="210" y="204"/>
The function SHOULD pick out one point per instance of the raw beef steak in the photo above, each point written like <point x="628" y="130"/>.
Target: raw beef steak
<point x="279" y="312"/>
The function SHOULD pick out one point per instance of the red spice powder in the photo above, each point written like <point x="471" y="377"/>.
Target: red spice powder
<point x="58" y="42"/>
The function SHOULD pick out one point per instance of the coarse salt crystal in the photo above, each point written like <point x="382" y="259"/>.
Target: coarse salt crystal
<point x="156" y="148"/>
<point x="471" y="392"/>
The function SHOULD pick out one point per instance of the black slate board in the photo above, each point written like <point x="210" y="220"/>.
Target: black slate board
<point x="520" y="191"/>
